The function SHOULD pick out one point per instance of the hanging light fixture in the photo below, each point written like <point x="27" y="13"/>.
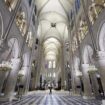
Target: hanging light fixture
<point x="5" y="66"/>
<point x="92" y="69"/>
<point x="78" y="73"/>
<point x="21" y="73"/>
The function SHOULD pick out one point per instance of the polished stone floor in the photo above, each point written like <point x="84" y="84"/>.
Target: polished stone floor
<point x="44" y="98"/>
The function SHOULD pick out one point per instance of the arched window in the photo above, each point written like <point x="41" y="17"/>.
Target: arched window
<point x="50" y="64"/>
<point x="29" y="39"/>
<point x="11" y="4"/>
<point x="74" y="43"/>
<point x="54" y="64"/>
<point x="21" y="22"/>
<point x="95" y="9"/>
<point x="77" y="5"/>
<point x="100" y="2"/>
<point x="83" y="29"/>
<point x="102" y="38"/>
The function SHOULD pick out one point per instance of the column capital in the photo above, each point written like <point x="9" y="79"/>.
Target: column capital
<point x="92" y="68"/>
<point x="15" y="60"/>
<point x="100" y="55"/>
<point x="89" y="68"/>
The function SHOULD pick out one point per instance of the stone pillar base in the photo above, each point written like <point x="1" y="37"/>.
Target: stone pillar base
<point x="88" y="97"/>
<point x="103" y="102"/>
<point x="9" y="98"/>
<point x="3" y="99"/>
<point x="100" y="63"/>
<point x="74" y="94"/>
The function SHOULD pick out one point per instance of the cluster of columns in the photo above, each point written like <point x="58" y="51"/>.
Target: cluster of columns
<point x="100" y="61"/>
<point x="90" y="83"/>
<point x="89" y="79"/>
<point x="12" y="76"/>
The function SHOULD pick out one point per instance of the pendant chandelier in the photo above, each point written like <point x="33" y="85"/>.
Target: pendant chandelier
<point x="78" y="73"/>
<point x="21" y="73"/>
<point x="92" y="69"/>
<point x="5" y="66"/>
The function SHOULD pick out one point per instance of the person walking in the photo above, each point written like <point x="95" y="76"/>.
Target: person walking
<point x="50" y="89"/>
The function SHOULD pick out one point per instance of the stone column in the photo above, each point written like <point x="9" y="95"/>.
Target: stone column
<point x="38" y="66"/>
<point x="38" y="76"/>
<point x="73" y="82"/>
<point x="25" y="78"/>
<point x="86" y="81"/>
<point x="62" y="70"/>
<point x="77" y="83"/>
<point x="100" y="63"/>
<point x="94" y="84"/>
<point x="33" y="84"/>
<point x="2" y="78"/>
<point x="37" y="80"/>
<point x="12" y="78"/>
<point x="28" y="79"/>
<point x="34" y="79"/>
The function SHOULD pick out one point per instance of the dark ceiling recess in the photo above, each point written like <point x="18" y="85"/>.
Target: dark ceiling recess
<point x="67" y="49"/>
<point x="30" y="1"/>
<point x="35" y="47"/>
<point x="53" y="25"/>
<point x="35" y="10"/>
<point x="33" y="19"/>
<point x="37" y="41"/>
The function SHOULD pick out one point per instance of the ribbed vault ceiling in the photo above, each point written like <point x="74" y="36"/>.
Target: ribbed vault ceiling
<point x="53" y="23"/>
